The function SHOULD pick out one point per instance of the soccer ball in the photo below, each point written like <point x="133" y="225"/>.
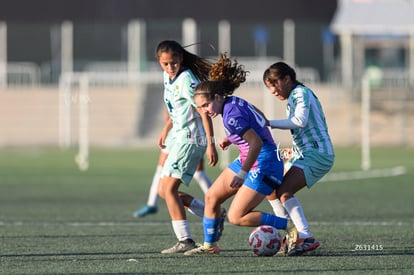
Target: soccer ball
<point x="264" y="240"/>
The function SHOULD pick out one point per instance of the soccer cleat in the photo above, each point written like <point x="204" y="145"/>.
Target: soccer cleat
<point x="303" y="245"/>
<point x="146" y="210"/>
<point x="203" y="250"/>
<point x="283" y="247"/>
<point x="292" y="235"/>
<point x="180" y="247"/>
<point x="221" y="224"/>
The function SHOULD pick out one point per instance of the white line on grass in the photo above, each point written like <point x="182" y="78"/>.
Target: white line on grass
<point x="152" y="223"/>
<point x="358" y="175"/>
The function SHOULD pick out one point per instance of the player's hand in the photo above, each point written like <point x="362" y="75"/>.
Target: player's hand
<point x="224" y="144"/>
<point x="161" y="142"/>
<point x="212" y="155"/>
<point x="236" y="182"/>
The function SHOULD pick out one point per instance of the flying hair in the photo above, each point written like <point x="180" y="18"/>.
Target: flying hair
<point x="201" y="43"/>
<point x="224" y="78"/>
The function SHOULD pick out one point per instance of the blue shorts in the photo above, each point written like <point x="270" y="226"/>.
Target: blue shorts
<point x="314" y="164"/>
<point x="182" y="161"/>
<point x="264" y="178"/>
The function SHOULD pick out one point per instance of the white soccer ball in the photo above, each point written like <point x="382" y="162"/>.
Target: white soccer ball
<point x="265" y="240"/>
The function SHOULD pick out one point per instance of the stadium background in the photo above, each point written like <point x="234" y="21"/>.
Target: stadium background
<point x="58" y="219"/>
<point x="121" y="114"/>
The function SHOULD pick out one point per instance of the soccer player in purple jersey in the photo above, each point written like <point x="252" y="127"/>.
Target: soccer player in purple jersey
<point x="255" y="173"/>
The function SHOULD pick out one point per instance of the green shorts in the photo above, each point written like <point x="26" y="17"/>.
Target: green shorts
<point x="182" y="161"/>
<point x="169" y="140"/>
<point x="314" y="164"/>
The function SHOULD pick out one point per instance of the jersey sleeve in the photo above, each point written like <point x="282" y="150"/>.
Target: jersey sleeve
<point x="299" y="101"/>
<point x="236" y="122"/>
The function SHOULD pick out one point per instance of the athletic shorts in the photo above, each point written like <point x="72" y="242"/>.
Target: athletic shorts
<point x="314" y="164"/>
<point x="182" y="161"/>
<point x="266" y="177"/>
<point x="168" y="141"/>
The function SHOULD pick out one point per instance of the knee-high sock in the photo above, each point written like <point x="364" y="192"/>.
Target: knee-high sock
<point x="203" y="180"/>
<point x="196" y="207"/>
<point x="294" y="208"/>
<point x="210" y="229"/>
<point x="181" y="230"/>
<point x="153" y="194"/>
<point x="278" y="208"/>
<point x="269" y="219"/>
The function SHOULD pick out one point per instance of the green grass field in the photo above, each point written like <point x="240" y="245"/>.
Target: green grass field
<point x="55" y="219"/>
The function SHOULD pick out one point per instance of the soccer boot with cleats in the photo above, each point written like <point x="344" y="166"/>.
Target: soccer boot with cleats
<point x="302" y="246"/>
<point x="292" y="235"/>
<point x="144" y="211"/>
<point x="203" y="249"/>
<point x="180" y="247"/>
<point x="283" y="247"/>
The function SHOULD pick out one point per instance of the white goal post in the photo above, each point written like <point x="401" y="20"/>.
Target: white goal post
<point x="365" y="124"/>
<point x="83" y="81"/>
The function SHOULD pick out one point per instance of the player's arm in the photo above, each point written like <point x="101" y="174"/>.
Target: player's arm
<point x="164" y="133"/>
<point x="299" y="118"/>
<point x="255" y="145"/>
<point x="211" y="151"/>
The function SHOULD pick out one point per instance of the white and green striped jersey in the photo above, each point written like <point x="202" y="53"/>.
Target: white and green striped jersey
<point x="178" y="97"/>
<point x="306" y="121"/>
<point x="305" y="111"/>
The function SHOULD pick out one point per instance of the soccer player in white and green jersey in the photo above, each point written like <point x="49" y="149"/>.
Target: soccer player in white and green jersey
<point x="190" y="133"/>
<point x="306" y="121"/>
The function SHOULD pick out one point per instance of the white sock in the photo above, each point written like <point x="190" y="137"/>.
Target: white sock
<point x="294" y="208"/>
<point x="153" y="194"/>
<point x="278" y="208"/>
<point x="203" y="180"/>
<point x="196" y="207"/>
<point x="181" y="230"/>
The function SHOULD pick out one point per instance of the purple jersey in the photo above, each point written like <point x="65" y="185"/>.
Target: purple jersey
<point x="240" y="116"/>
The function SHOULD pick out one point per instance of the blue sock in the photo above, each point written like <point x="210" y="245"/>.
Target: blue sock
<point x="269" y="219"/>
<point x="210" y="229"/>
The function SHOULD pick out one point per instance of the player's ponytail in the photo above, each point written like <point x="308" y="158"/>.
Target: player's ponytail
<point x="224" y="78"/>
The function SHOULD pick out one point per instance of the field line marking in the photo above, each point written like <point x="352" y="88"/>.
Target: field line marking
<point x="152" y="223"/>
<point x="358" y="175"/>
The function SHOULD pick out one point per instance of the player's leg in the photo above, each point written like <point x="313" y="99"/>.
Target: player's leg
<point x="294" y="181"/>
<point x="218" y="193"/>
<point x="179" y="168"/>
<point x="201" y="177"/>
<point x="194" y="205"/>
<point x="306" y="171"/>
<point x="273" y="199"/>
<point x="152" y="203"/>
<point x="169" y="191"/>
<point x="277" y="206"/>
<point x="240" y="211"/>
